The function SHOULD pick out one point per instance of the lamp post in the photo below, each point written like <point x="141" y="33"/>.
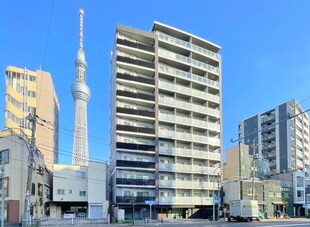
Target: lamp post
<point x="213" y="191"/>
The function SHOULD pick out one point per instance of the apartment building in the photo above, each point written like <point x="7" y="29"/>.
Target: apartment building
<point x="26" y="91"/>
<point x="14" y="150"/>
<point x="281" y="135"/>
<point x="165" y="121"/>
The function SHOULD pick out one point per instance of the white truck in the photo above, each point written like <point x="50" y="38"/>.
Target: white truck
<point x="245" y="210"/>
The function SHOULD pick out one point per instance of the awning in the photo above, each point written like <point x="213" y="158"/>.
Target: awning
<point x="278" y="203"/>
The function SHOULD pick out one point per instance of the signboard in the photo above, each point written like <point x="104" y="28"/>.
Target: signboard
<point x="150" y="202"/>
<point x="216" y="199"/>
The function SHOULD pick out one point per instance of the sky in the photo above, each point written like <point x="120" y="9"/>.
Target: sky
<point x="265" y="49"/>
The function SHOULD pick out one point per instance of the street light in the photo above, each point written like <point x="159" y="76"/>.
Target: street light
<point x="213" y="191"/>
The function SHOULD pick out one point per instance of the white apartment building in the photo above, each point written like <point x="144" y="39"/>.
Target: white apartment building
<point x="280" y="135"/>
<point x="15" y="152"/>
<point x="80" y="187"/>
<point x="165" y="121"/>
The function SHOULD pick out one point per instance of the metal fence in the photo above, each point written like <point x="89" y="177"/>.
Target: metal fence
<point x="78" y="222"/>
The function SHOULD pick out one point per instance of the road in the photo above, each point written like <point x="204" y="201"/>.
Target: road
<point x="201" y="223"/>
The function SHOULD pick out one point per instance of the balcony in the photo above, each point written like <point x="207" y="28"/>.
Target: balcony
<point x="135" y="45"/>
<point x="135" y="164"/>
<point x="190" y="153"/>
<point x="177" y="200"/>
<point x="137" y="199"/>
<point x="145" y="113"/>
<point x="138" y="79"/>
<point x="188" y="91"/>
<point x="138" y="62"/>
<point x="188" y="61"/>
<point x="136" y="95"/>
<point x="135" y="129"/>
<point x="166" y="134"/>
<point x="189" y="168"/>
<point x="185" y="184"/>
<point x="184" y="44"/>
<point x="127" y="181"/>
<point x="135" y="146"/>
<point x="188" y="106"/>
<point x="186" y="75"/>
<point x="189" y="121"/>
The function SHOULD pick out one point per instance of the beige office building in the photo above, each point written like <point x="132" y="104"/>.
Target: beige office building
<point x="26" y="90"/>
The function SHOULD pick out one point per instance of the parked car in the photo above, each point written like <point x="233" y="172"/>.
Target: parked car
<point x="81" y="213"/>
<point x="69" y="214"/>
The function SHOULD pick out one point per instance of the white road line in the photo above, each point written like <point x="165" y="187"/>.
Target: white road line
<point x="308" y="224"/>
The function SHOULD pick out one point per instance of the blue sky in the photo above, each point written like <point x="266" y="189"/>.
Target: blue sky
<point x="265" y="52"/>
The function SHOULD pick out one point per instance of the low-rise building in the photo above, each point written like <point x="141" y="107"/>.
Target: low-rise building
<point x="80" y="188"/>
<point x="294" y="182"/>
<point x="15" y="151"/>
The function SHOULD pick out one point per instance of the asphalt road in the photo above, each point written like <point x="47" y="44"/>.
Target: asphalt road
<point x="202" y="223"/>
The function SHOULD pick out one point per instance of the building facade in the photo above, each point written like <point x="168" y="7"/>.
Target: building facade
<point x="280" y="135"/>
<point x="25" y="92"/>
<point x="15" y="152"/>
<point x="78" y="187"/>
<point x="165" y="121"/>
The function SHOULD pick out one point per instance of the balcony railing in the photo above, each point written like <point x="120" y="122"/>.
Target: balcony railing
<point x="186" y="200"/>
<point x="189" y="106"/>
<point x="189" y="168"/>
<point x="189" y="153"/>
<point x="189" y="121"/>
<point x="127" y="181"/>
<point x="188" y="61"/>
<point x="190" y="137"/>
<point x="135" y="164"/>
<point x="135" y="199"/>
<point x="186" y="75"/>
<point x="188" y="91"/>
<point x="188" y="45"/>
<point x="186" y="184"/>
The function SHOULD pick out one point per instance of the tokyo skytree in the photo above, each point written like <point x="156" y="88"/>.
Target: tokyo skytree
<point x="81" y="94"/>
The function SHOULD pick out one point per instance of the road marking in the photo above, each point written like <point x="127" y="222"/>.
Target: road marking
<point x="286" y="225"/>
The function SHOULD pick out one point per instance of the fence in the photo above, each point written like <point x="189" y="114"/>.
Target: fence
<point x="81" y="222"/>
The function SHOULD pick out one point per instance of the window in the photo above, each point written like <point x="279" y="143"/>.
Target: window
<point x="32" y="94"/>
<point x="70" y="191"/>
<point x="5" y="155"/>
<point x="80" y="175"/>
<point x="6" y="189"/>
<point x="300" y="194"/>
<point x="5" y="212"/>
<point x="40" y="190"/>
<point x="127" y="193"/>
<point x="300" y="181"/>
<point x="142" y="194"/>
<point x="82" y="193"/>
<point x="60" y="191"/>
<point x="32" y="78"/>
<point x="33" y="189"/>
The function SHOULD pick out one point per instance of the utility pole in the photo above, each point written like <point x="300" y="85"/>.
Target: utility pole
<point x="254" y="147"/>
<point x="2" y="189"/>
<point x="33" y="119"/>
<point x="219" y="197"/>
